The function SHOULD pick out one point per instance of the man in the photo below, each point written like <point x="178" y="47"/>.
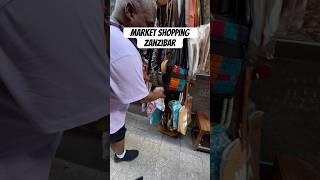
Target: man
<point x="126" y="74"/>
<point x="53" y="71"/>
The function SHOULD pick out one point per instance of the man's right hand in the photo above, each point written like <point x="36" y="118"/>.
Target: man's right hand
<point x="160" y="92"/>
<point x="154" y="95"/>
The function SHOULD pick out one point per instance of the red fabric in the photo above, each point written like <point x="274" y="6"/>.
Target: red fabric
<point x="218" y="28"/>
<point x="225" y="77"/>
<point x="191" y="13"/>
<point x="178" y="70"/>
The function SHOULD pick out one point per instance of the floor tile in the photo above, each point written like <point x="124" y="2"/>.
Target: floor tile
<point x="190" y="162"/>
<point x="189" y="175"/>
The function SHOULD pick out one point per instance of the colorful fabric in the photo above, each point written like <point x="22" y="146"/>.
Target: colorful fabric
<point x="175" y="107"/>
<point x="226" y="68"/>
<point x="229" y="30"/>
<point x="226" y="73"/>
<point x="177" y="79"/>
<point x="155" y="117"/>
<point x="151" y="107"/>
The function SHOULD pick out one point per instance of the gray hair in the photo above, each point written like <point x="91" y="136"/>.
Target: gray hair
<point x="139" y="4"/>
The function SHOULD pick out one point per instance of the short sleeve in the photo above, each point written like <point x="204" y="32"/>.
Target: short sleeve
<point x="126" y="79"/>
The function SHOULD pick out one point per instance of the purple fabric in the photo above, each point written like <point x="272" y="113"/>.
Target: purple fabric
<point x="126" y="78"/>
<point x="120" y="27"/>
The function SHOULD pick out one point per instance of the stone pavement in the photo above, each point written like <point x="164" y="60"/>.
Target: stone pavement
<point x="161" y="157"/>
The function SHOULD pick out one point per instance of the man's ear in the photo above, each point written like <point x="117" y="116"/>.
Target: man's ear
<point x="129" y="11"/>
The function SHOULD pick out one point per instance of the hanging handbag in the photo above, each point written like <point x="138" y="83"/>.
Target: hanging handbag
<point x="176" y="72"/>
<point x="185" y="113"/>
<point x="177" y="79"/>
<point x="175" y="107"/>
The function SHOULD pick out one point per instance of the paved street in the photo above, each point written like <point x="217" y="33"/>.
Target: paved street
<point x="161" y="157"/>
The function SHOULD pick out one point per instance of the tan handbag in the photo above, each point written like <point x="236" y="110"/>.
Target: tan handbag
<point x="185" y="112"/>
<point x="185" y="116"/>
<point x="164" y="66"/>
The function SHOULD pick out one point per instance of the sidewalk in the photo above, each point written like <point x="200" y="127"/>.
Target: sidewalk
<point x="161" y="157"/>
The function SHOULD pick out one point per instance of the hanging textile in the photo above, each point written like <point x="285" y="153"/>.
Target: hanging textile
<point x="229" y="30"/>
<point x="191" y="13"/>
<point x="199" y="49"/>
<point x="205" y="11"/>
<point x="176" y="64"/>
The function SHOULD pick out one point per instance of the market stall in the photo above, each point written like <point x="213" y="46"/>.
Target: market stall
<point x="232" y="111"/>
<point x="183" y="73"/>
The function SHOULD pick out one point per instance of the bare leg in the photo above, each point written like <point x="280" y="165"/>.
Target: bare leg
<point x="121" y="153"/>
<point x="118" y="147"/>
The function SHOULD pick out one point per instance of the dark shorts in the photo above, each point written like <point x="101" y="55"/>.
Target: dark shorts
<point x="118" y="136"/>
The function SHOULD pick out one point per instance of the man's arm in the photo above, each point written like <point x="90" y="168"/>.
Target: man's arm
<point x="153" y="96"/>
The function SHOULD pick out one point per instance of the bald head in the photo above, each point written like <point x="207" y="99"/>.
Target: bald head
<point x="135" y="13"/>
